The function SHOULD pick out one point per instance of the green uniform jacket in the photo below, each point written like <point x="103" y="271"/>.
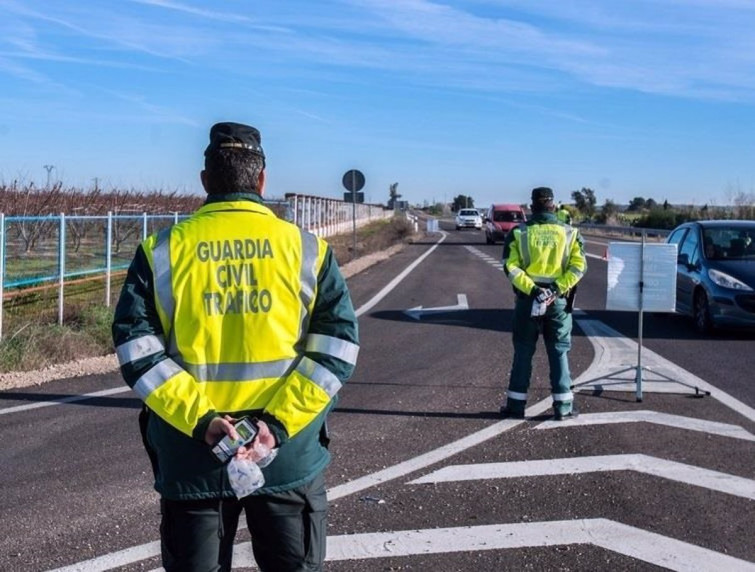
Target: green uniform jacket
<point x="184" y="466"/>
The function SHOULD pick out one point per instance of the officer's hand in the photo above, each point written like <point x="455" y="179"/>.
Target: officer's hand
<point x="219" y="428"/>
<point x="258" y="449"/>
<point x="545" y="295"/>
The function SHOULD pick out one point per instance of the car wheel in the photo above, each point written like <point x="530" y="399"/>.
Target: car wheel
<point x="489" y="240"/>
<point x="703" y="321"/>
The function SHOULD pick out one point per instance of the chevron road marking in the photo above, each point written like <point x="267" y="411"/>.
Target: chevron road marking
<point x="667" y="419"/>
<point x="679" y="472"/>
<point x="610" y="535"/>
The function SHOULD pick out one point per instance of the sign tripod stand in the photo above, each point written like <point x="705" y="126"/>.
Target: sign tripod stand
<point x="638" y="368"/>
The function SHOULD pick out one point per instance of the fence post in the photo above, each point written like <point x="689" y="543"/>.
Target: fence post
<point x="108" y="257"/>
<point x="2" y="269"/>
<point x="144" y="226"/>
<point x="175" y="217"/>
<point x="61" y="265"/>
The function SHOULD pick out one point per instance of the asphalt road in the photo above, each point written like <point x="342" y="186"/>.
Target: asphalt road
<point x="425" y="477"/>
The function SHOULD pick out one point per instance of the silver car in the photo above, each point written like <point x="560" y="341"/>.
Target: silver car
<point x="468" y="218"/>
<point x="715" y="272"/>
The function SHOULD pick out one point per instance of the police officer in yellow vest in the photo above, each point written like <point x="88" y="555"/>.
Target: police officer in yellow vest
<point x="544" y="259"/>
<point x="563" y="214"/>
<point x="234" y="312"/>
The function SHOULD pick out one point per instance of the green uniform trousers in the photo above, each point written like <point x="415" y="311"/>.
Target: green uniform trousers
<point x="288" y="531"/>
<point x="556" y="327"/>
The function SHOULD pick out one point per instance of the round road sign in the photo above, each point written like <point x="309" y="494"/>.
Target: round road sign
<point x="353" y="180"/>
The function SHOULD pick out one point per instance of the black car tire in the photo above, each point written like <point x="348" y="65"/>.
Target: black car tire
<point x="703" y="321"/>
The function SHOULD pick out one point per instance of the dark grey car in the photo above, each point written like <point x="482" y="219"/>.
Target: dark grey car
<point x="715" y="272"/>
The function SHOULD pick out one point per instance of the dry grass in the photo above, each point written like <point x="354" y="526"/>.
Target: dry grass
<point x="374" y="237"/>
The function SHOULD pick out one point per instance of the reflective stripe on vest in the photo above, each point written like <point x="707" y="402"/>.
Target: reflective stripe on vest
<point x="524" y="247"/>
<point x="307" y="278"/>
<point x="163" y="273"/>
<point x="335" y="347"/>
<point x="239" y="371"/>
<point x="567" y="250"/>
<point x="155" y="377"/>
<point x="139" y="348"/>
<point x="320" y="375"/>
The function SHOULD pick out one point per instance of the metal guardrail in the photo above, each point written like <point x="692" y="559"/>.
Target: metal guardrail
<point x="632" y="231"/>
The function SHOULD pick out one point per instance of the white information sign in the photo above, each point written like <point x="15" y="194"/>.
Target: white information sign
<point x="657" y="262"/>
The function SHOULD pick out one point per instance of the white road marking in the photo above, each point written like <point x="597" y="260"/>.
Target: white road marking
<point x="62" y="400"/>
<point x="667" y="419"/>
<point x="613" y="351"/>
<point x="610" y="535"/>
<point x="435" y="456"/>
<point x="417" y="312"/>
<point x="366" y="307"/>
<point x="680" y="472"/>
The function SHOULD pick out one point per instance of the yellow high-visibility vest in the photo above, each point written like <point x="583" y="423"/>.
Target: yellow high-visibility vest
<point x="545" y="254"/>
<point x="234" y="290"/>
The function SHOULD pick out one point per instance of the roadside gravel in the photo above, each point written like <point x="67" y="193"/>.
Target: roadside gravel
<point x="109" y="363"/>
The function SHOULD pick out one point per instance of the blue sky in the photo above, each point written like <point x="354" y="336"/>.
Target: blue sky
<point x="485" y="98"/>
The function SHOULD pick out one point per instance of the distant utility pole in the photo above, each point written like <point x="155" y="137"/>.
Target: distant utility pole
<point x="96" y="184"/>
<point x="49" y="169"/>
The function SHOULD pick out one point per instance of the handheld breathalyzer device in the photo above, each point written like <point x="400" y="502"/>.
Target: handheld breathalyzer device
<point x="226" y="448"/>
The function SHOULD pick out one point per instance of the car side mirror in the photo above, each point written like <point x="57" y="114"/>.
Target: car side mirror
<point x="683" y="259"/>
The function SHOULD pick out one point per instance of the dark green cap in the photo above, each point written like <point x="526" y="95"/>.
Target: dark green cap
<point x="228" y="135"/>
<point x="542" y="194"/>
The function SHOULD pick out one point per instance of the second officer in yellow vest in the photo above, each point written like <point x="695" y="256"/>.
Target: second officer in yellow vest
<point x="544" y="259"/>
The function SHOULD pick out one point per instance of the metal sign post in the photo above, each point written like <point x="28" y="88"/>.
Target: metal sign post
<point x="353" y="181"/>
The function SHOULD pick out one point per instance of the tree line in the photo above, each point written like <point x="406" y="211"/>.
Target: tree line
<point x="640" y="211"/>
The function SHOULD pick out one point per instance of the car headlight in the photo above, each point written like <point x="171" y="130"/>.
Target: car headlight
<point x="725" y="281"/>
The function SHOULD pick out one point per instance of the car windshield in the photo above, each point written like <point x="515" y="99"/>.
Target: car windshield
<point x="507" y="216"/>
<point x="469" y="213"/>
<point x="729" y="243"/>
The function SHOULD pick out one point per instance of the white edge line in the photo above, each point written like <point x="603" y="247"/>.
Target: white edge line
<point x="367" y="306"/>
<point x="71" y="399"/>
